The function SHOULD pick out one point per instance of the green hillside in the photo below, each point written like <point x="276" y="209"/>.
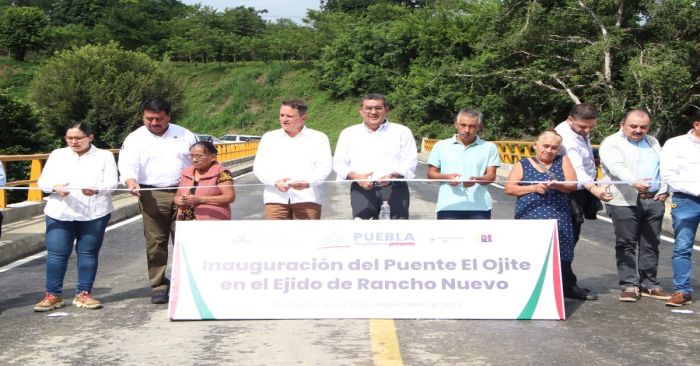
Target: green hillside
<point x="245" y="98"/>
<point x="232" y="98"/>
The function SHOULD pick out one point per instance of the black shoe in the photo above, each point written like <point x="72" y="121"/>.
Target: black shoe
<point x="160" y="297"/>
<point x="578" y="293"/>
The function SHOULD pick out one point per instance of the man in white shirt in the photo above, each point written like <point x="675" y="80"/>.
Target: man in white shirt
<point x="293" y="162"/>
<point x="576" y="145"/>
<point x="152" y="157"/>
<point x="372" y="153"/>
<point x="636" y="208"/>
<point x="680" y="169"/>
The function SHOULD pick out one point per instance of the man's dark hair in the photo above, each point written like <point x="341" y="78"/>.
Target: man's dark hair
<point x="156" y="105"/>
<point x="583" y="111"/>
<point x="297" y="104"/>
<point x="695" y="116"/>
<point x="628" y="113"/>
<point x="373" y="96"/>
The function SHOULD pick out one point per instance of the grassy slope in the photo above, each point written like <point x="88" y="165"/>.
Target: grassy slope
<point x="231" y="98"/>
<point x="246" y="98"/>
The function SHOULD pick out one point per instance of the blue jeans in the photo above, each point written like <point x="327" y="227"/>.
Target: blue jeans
<point x="60" y="236"/>
<point x="685" y="213"/>
<point x="463" y="215"/>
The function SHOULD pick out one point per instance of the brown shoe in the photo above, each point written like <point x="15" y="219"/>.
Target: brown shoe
<point x="629" y="294"/>
<point x="656" y="293"/>
<point x="680" y="299"/>
<point x="85" y="300"/>
<point x="49" y="302"/>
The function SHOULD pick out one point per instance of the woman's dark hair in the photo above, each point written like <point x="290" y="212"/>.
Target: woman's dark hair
<point x="82" y="126"/>
<point x="207" y="145"/>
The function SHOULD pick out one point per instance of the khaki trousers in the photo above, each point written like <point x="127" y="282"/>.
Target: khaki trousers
<point x="293" y="211"/>
<point x="158" y="213"/>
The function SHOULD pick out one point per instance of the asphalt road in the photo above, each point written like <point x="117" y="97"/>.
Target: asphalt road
<point x="129" y="330"/>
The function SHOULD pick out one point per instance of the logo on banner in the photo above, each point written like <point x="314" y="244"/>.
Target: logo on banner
<point x="384" y="238"/>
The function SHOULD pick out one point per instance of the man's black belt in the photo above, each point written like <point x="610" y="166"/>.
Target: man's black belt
<point x="166" y="189"/>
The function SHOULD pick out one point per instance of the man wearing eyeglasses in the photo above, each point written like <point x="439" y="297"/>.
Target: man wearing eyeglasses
<point x="293" y="162"/>
<point x="373" y="153"/>
<point x="152" y="157"/>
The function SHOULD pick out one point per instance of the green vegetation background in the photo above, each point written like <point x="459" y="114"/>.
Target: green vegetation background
<point x="220" y="98"/>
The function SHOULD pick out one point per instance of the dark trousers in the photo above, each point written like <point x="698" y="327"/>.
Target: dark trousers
<point x="158" y="212"/>
<point x="1" y="224"/>
<point x="463" y="215"/>
<point x="366" y="203"/>
<point x="637" y="226"/>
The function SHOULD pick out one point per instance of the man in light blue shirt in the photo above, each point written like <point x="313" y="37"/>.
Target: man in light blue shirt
<point x="470" y="164"/>
<point x="630" y="158"/>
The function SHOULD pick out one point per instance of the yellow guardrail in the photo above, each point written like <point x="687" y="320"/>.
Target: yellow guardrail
<point x="226" y="152"/>
<point x="510" y="152"/>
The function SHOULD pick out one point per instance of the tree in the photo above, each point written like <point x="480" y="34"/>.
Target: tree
<point x="19" y="126"/>
<point x="101" y="85"/>
<point x="20" y="29"/>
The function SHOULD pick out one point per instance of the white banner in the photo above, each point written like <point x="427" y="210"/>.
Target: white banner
<point x="466" y="269"/>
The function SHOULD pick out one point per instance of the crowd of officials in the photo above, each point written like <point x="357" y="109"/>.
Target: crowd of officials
<point x="177" y="178"/>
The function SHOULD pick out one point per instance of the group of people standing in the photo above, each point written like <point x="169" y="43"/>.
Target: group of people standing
<point x="638" y="175"/>
<point x="177" y="178"/>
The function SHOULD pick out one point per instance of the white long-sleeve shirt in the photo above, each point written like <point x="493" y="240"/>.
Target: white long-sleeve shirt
<point x="680" y="164"/>
<point x="94" y="169"/>
<point x="155" y="160"/>
<point x="3" y="178"/>
<point x="306" y="156"/>
<point x="580" y="153"/>
<point x="391" y="148"/>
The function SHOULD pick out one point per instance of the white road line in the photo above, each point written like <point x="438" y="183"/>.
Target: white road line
<point x="22" y="261"/>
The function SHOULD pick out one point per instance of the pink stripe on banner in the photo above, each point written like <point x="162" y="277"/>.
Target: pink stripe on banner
<point x="556" y="270"/>
<point x="174" y="282"/>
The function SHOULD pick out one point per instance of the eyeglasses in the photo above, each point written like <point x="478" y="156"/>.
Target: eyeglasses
<point x="155" y="119"/>
<point x="74" y="138"/>
<point x="198" y="156"/>
<point x="377" y="108"/>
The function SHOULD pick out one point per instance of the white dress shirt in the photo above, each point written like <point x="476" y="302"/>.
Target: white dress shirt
<point x="680" y="164"/>
<point x="390" y="149"/>
<point x="580" y="153"/>
<point x="94" y="169"/>
<point x="155" y="160"/>
<point x="306" y="156"/>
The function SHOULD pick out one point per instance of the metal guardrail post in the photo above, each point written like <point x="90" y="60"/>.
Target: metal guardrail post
<point x="35" y="195"/>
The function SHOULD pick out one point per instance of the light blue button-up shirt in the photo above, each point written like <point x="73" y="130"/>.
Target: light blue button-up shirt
<point x="648" y="163"/>
<point x="451" y="156"/>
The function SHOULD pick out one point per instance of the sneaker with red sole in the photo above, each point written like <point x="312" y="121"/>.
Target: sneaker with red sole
<point x="85" y="300"/>
<point x="49" y="302"/>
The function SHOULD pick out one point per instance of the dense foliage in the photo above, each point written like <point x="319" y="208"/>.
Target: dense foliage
<point x="524" y="63"/>
<point x="101" y="85"/>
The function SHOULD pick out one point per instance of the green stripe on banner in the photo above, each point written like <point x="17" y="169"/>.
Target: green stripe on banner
<point x="202" y="307"/>
<point x="531" y="305"/>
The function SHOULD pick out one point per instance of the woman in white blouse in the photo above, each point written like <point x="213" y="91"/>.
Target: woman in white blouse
<point x="81" y="179"/>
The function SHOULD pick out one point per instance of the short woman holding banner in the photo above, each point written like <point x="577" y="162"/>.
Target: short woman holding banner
<point x="206" y="187"/>
<point x="81" y="179"/>
<point x="538" y="182"/>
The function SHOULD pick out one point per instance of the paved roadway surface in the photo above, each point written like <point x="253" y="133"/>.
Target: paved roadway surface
<point x="131" y="331"/>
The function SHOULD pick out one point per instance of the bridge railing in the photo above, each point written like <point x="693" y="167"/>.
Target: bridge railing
<point x="511" y="152"/>
<point x="227" y="152"/>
